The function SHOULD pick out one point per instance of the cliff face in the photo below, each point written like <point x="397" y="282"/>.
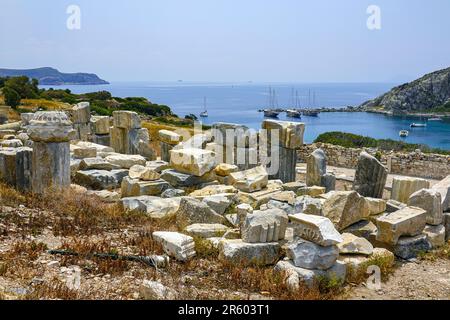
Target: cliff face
<point x="430" y="91"/>
<point x="50" y="76"/>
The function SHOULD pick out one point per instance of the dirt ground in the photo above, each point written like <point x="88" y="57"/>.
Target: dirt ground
<point x="417" y="280"/>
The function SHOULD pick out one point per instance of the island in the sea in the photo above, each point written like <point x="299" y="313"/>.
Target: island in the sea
<point x="51" y="76"/>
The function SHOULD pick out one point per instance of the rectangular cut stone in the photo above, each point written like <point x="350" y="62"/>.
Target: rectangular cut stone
<point x="258" y="198"/>
<point x="404" y="187"/>
<point x="83" y="131"/>
<point x="100" y="124"/>
<point x="118" y="139"/>
<point x="443" y="187"/>
<point x="135" y="188"/>
<point x="241" y="253"/>
<point x="81" y="112"/>
<point x="102" y="139"/>
<point x="287" y="165"/>
<point x="409" y="221"/>
<point x="126" y="120"/>
<point x="376" y="206"/>
<point x="51" y="166"/>
<point x="265" y="226"/>
<point x="290" y="133"/>
<point x="165" y="151"/>
<point x="8" y="166"/>
<point x="430" y="201"/>
<point x="169" y="137"/>
<point x="23" y="169"/>
<point x="192" y="161"/>
<point x="177" y="245"/>
<point x="319" y="230"/>
<point x="250" y="180"/>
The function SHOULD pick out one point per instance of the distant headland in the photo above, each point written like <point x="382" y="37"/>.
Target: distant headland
<point x="51" y="76"/>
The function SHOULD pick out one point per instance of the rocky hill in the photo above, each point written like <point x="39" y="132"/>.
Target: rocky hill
<point x="430" y="91"/>
<point x="51" y="76"/>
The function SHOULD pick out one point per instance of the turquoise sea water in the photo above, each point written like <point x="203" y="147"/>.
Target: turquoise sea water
<point x="239" y="103"/>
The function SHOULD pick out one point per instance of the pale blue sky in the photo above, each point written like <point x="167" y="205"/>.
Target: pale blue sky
<point x="229" y="40"/>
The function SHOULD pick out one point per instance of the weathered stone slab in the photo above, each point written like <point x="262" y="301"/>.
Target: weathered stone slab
<point x="225" y="169"/>
<point x="393" y="205"/>
<point x="258" y="198"/>
<point x="100" y="148"/>
<point x="134" y="188"/>
<point x="105" y="195"/>
<point x="96" y="164"/>
<point x="214" y="190"/>
<point x="352" y="244"/>
<point x="126" y="120"/>
<point x="100" y="125"/>
<point x="447" y="225"/>
<point x="206" y="230"/>
<point x="192" y="211"/>
<point x="219" y="203"/>
<point x="409" y="221"/>
<point x="12" y="143"/>
<point x="404" y="187"/>
<point x="81" y="153"/>
<point x="169" y="137"/>
<point x="370" y="176"/>
<point x="314" y="191"/>
<point x="264" y="226"/>
<point x="183" y="180"/>
<point x="443" y="187"/>
<point x="430" y="201"/>
<point x="376" y="206"/>
<point x="143" y="173"/>
<point x="316" y="167"/>
<point x="100" y="179"/>
<point x="297" y="275"/>
<point x="81" y="112"/>
<point x="308" y="255"/>
<point x="410" y="247"/>
<point x="24" y="157"/>
<point x="345" y="208"/>
<point x="177" y="245"/>
<point x="435" y="235"/>
<point x="197" y="162"/>
<point x="242" y="253"/>
<point x="157" y="165"/>
<point x="319" y="230"/>
<point x="126" y="160"/>
<point x="293" y="186"/>
<point x="172" y="193"/>
<point x="365" y="229"/>
<point x="155" y="207"/>
<point x="290" y="133"/>
<point x="250" y="180"/>
<point x="8" y="166"/>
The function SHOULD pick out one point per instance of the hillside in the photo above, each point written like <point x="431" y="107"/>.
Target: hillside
<point x="429" y="93"/>
<point x="51" y="76"/>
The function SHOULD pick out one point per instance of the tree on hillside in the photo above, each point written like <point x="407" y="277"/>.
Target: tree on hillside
<point x="12" y="98"/>
<point x="26" y="88"/>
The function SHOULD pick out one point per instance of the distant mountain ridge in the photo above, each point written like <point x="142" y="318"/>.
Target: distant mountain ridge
<point x="51" y="76"/>
<point x="428" y="92"/>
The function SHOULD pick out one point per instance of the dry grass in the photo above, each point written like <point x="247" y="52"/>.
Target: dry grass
<point x="439" y="253"/>
<point x="33" y="104"/>
<point x="360" y="275"/>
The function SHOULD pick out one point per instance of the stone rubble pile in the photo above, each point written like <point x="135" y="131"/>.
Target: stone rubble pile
<point x="244" y="211"/>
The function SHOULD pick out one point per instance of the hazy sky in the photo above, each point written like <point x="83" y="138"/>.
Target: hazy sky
<point x="229" y="40"/>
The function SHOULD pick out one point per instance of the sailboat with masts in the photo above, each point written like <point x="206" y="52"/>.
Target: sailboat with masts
<point x="204" y="114"/>
<point x="271" y="112"/>
<point x="294" y="112"/>
<point x="309" y="112"/>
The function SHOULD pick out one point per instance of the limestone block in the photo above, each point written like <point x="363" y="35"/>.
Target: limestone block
<point x="316" y="167"/>
<point x="197" y="162"/>
<point x="352" y="244"/>
<point x="435" y="235"/>
<point x="81" y="112"/>
<point x="177" y="245"/>
<point x="12" y="143"/>
<point x="100" y="148"/>
<point x="82" y="131"/>
<point x="410" y="247"/>
<point x="8" y="166"/>
<point x="126" y="120"/>
<point x="218" y="203"/>
<point x="308" y="255"/>
<point x="404" y="187"/>
<point x="214" y="190"/>
<point x="24" y="157"/>
<point x="81" y="153"/>
<point x="314" y="191"/>
<point x="50" y="126"/>
<point x="105" y="195"/>
<point x="100" y="125"/>
<point x="365" y="229"/>
<point x="370" y="176"/>
<point x="319" y="230"/>
<point x="206" y="230"/>
<point x="192" y="211"/>
<point x="376" y="206"/>
<point x="100" y="179"/>
<point x="290" y="133"/>
<point x="119" y="139"/>
<point x="250" y="180"/>
<point x="345" y="208"/>
<point x="143" y="173"/>
<point x="157" y="165"/>
<point x="293" y="186"/>
<point x="242" y="253"/>
<point x="154" y="207"/>
<point x="172" y="193"/>
<point x="443" y="187"/>
<point x="126" y="161"/>
<point x="264" y="226"/>
<point x="102" y="139"/>
<point x="50" y="166"/>
<point x="429" y="200"/>
<point x="409" y="221"/>
<point x="169" y="137"/>
<point x="183" y="180"/>
<point x="96" y="163"/>
<point x="134" y="188"/>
